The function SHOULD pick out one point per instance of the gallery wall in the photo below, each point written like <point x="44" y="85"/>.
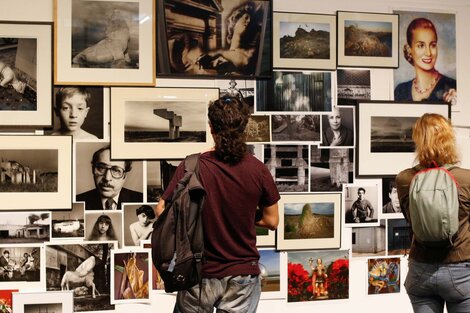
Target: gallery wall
<point x="381" y="89"/>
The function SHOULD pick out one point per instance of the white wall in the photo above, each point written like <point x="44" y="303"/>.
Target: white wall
<point x="42" y="10"/>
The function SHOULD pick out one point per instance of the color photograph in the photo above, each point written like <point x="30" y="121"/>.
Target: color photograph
<point x="258" y="129"/>
<point x="398" y="236"/>
<point x="383" y="276"/>
<point x="369" y="241"/>
<point x="270" y="267"/>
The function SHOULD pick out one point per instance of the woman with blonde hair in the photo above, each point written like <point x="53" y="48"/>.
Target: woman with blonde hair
<point x="438" y="276"/>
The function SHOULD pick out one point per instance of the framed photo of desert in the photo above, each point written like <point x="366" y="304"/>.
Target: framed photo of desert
<point x="50" y="301"/>
<point x="36" y="172"/>
<point x="104" y="42"/>
<point x="309" y="221"/>
<point x="304" y="41"/>
<point x="26" y="78"/>
<point x="384" y="135"/>
<point x="166" y="122"/>
<point x="367" y="39"/>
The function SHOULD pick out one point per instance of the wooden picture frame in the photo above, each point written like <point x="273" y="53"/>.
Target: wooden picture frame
<point x="104" y="43"/>
<point x="304" y="41"/>
<point x="38" y="173"/>
<point x="367" y="39"/>
<point x="384" y="144"/>
<point x="26" y="62"/>
<point x="160" y="123"/>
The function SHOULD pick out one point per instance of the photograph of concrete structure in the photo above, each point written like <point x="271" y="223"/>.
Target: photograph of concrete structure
<point x="369" y="241"/>
<point x="25" y="227"/>
<point x="398" y="236"/>
<point x="330" y="168"/>
<point x="69" y="223"/>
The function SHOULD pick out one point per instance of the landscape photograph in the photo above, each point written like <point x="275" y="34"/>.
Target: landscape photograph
<point x="309" y="220"/>
<point x="391" y="134"/>
<point x="25" y="227"/>
<point x="295" y="127"/>
<point x="367" y="38"/>
<point x="304" y="40"/>
<point x="269" y="264"/>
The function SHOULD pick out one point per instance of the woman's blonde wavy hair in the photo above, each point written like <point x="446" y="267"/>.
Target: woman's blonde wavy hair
<point x="434" y="140"/>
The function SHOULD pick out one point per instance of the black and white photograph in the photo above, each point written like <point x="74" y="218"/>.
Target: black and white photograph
<point x="104" y="226"/>
<point x="25" y="227"/>
<point x="159" y="174"/>
<point x="242" y="89"/>
<point x="384" y="135"/>
<point x="295" y="128"/>
<point x="228" y="39"/>
<point x="308" y="92"/>
<point x="398" y="236"/>
<point x="330" y="168"/>
<point x="258" y="129"/>
<point x="138" y="223"/>
<point x="391" y="203"/>
<point x="36" y="172"/>
<point x="353" y="85"/>
<point x="369" y="241"/>
<point x="288" y="165"/>
<point x="43" y="302"/>
<point x="338" y="128"/>
<point x="83" y="268"/>
<point x="362" y="205"/>
<point x="78" y="112"/>
<point x="172" y="121"/>
<point x="69" y="223"/>
<point x="20" y="262"/>
<point x="304" y="41"/>
<point x="25" y="80"/>
<point x="111" y="40"/>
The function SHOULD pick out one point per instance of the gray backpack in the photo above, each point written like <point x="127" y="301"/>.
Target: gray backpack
<point x="434" y="206"/>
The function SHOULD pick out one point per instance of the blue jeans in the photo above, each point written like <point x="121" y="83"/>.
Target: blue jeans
<point x="234" y="294"/>
<point x="430" y="286"/>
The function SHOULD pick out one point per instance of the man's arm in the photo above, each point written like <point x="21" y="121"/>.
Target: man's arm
<point x="270" y="217"/>
<point x="371" y="209"/>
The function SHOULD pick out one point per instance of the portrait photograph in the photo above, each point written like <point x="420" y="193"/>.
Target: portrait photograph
<point x="103" y="226"/>
<point x="20" y="263"/>
<point x="288" y="165"/>
<point x="398" y="236"/>
<point x="79" y="112"/>
<point x="258" y="129"/>
<point x="25" y="80"/>
<point x="104" y="42"/>
<point x="48" y="302"/>
<point x="423" y="75"/>
<point x="384" y="276"/>
<point x="36" y="172"/>
<point x="330" y="168"/>
<point x="271" y="264"/>
<point x="138" y="222"/>
<point x="317" y="275"/>
<point x="242" y="89"/>
<point x="69" y="223"/>
<point x="338" y="127"/>
<point x="306" y="92"/>
<point x="304" y="41"/>
<point x="83" y="268"/>
<point x="295" y="128"/>
<point x="361" y="205"/>
<point x="367" y="39"/>
<point x="230" y="39"/>
<point x="391" y="203"/>
<point x="172" y="121"/>
<point x="159" y="174"/>
<point x="310" y="221"/>
<point x="352" y="85"/>
<point x="369" y="241"/>
<point x="25" y="227"/>
<point x="131" y="272"/>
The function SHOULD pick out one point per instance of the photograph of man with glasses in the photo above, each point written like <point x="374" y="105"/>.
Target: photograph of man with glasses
<point x="109" y="177"/>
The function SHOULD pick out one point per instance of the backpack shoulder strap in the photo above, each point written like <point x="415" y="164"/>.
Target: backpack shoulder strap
<point x="449" y="166"/>
<point x="191" y="163"/>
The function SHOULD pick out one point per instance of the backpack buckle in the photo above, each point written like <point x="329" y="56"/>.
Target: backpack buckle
<point x="198" y="256"/>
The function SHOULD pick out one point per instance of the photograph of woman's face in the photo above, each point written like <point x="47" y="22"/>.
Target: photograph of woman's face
<point x="424" y="48"/>
<point x="335" y="119"/>
<point x="103" y="227"/>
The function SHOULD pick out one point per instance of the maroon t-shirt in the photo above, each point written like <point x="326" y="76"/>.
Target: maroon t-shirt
<point x="233" y="194"/>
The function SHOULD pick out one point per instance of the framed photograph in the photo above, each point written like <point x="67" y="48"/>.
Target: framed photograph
<point x="24" y="264"/>
<point x="367" y="39"/>
<point x="25" y="227"/>
<point x="273" y="273"/>
<point x="69" y="224"/>
<point x="265" y="237"/>
<point x="309" y="221"/>
<point x="353" y="85"/>
<point x="36" y="172"/>
<point x="383" y="276"/>
<point x="369" y="241"/>
<point x="227" y="39"/>
<point x="130" y="274"/>
<point x="50" y="301"/>
<point x="384" y="135"/>
<point x="26" y="78"/>
<point x="317" y="275"/>
<point x="104" y="42"/>
<point x="362" y="205"/>
<point x="160" y="123"/>
<point x="304" y="41"/>
<point x="82" y="268"/>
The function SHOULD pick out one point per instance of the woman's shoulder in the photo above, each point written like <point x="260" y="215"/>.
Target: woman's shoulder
<point x="403" y="91"/>
<point x="448" y="81"/>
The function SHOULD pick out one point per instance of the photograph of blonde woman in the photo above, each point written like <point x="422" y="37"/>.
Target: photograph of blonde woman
<point x="428" y="43"/>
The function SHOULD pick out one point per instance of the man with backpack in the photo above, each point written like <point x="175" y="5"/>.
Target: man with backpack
<point x="435" y="199"/>
<point x="235" y="185"/>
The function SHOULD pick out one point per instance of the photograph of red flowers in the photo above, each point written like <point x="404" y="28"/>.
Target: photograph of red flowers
<point x="317" y="275"/>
